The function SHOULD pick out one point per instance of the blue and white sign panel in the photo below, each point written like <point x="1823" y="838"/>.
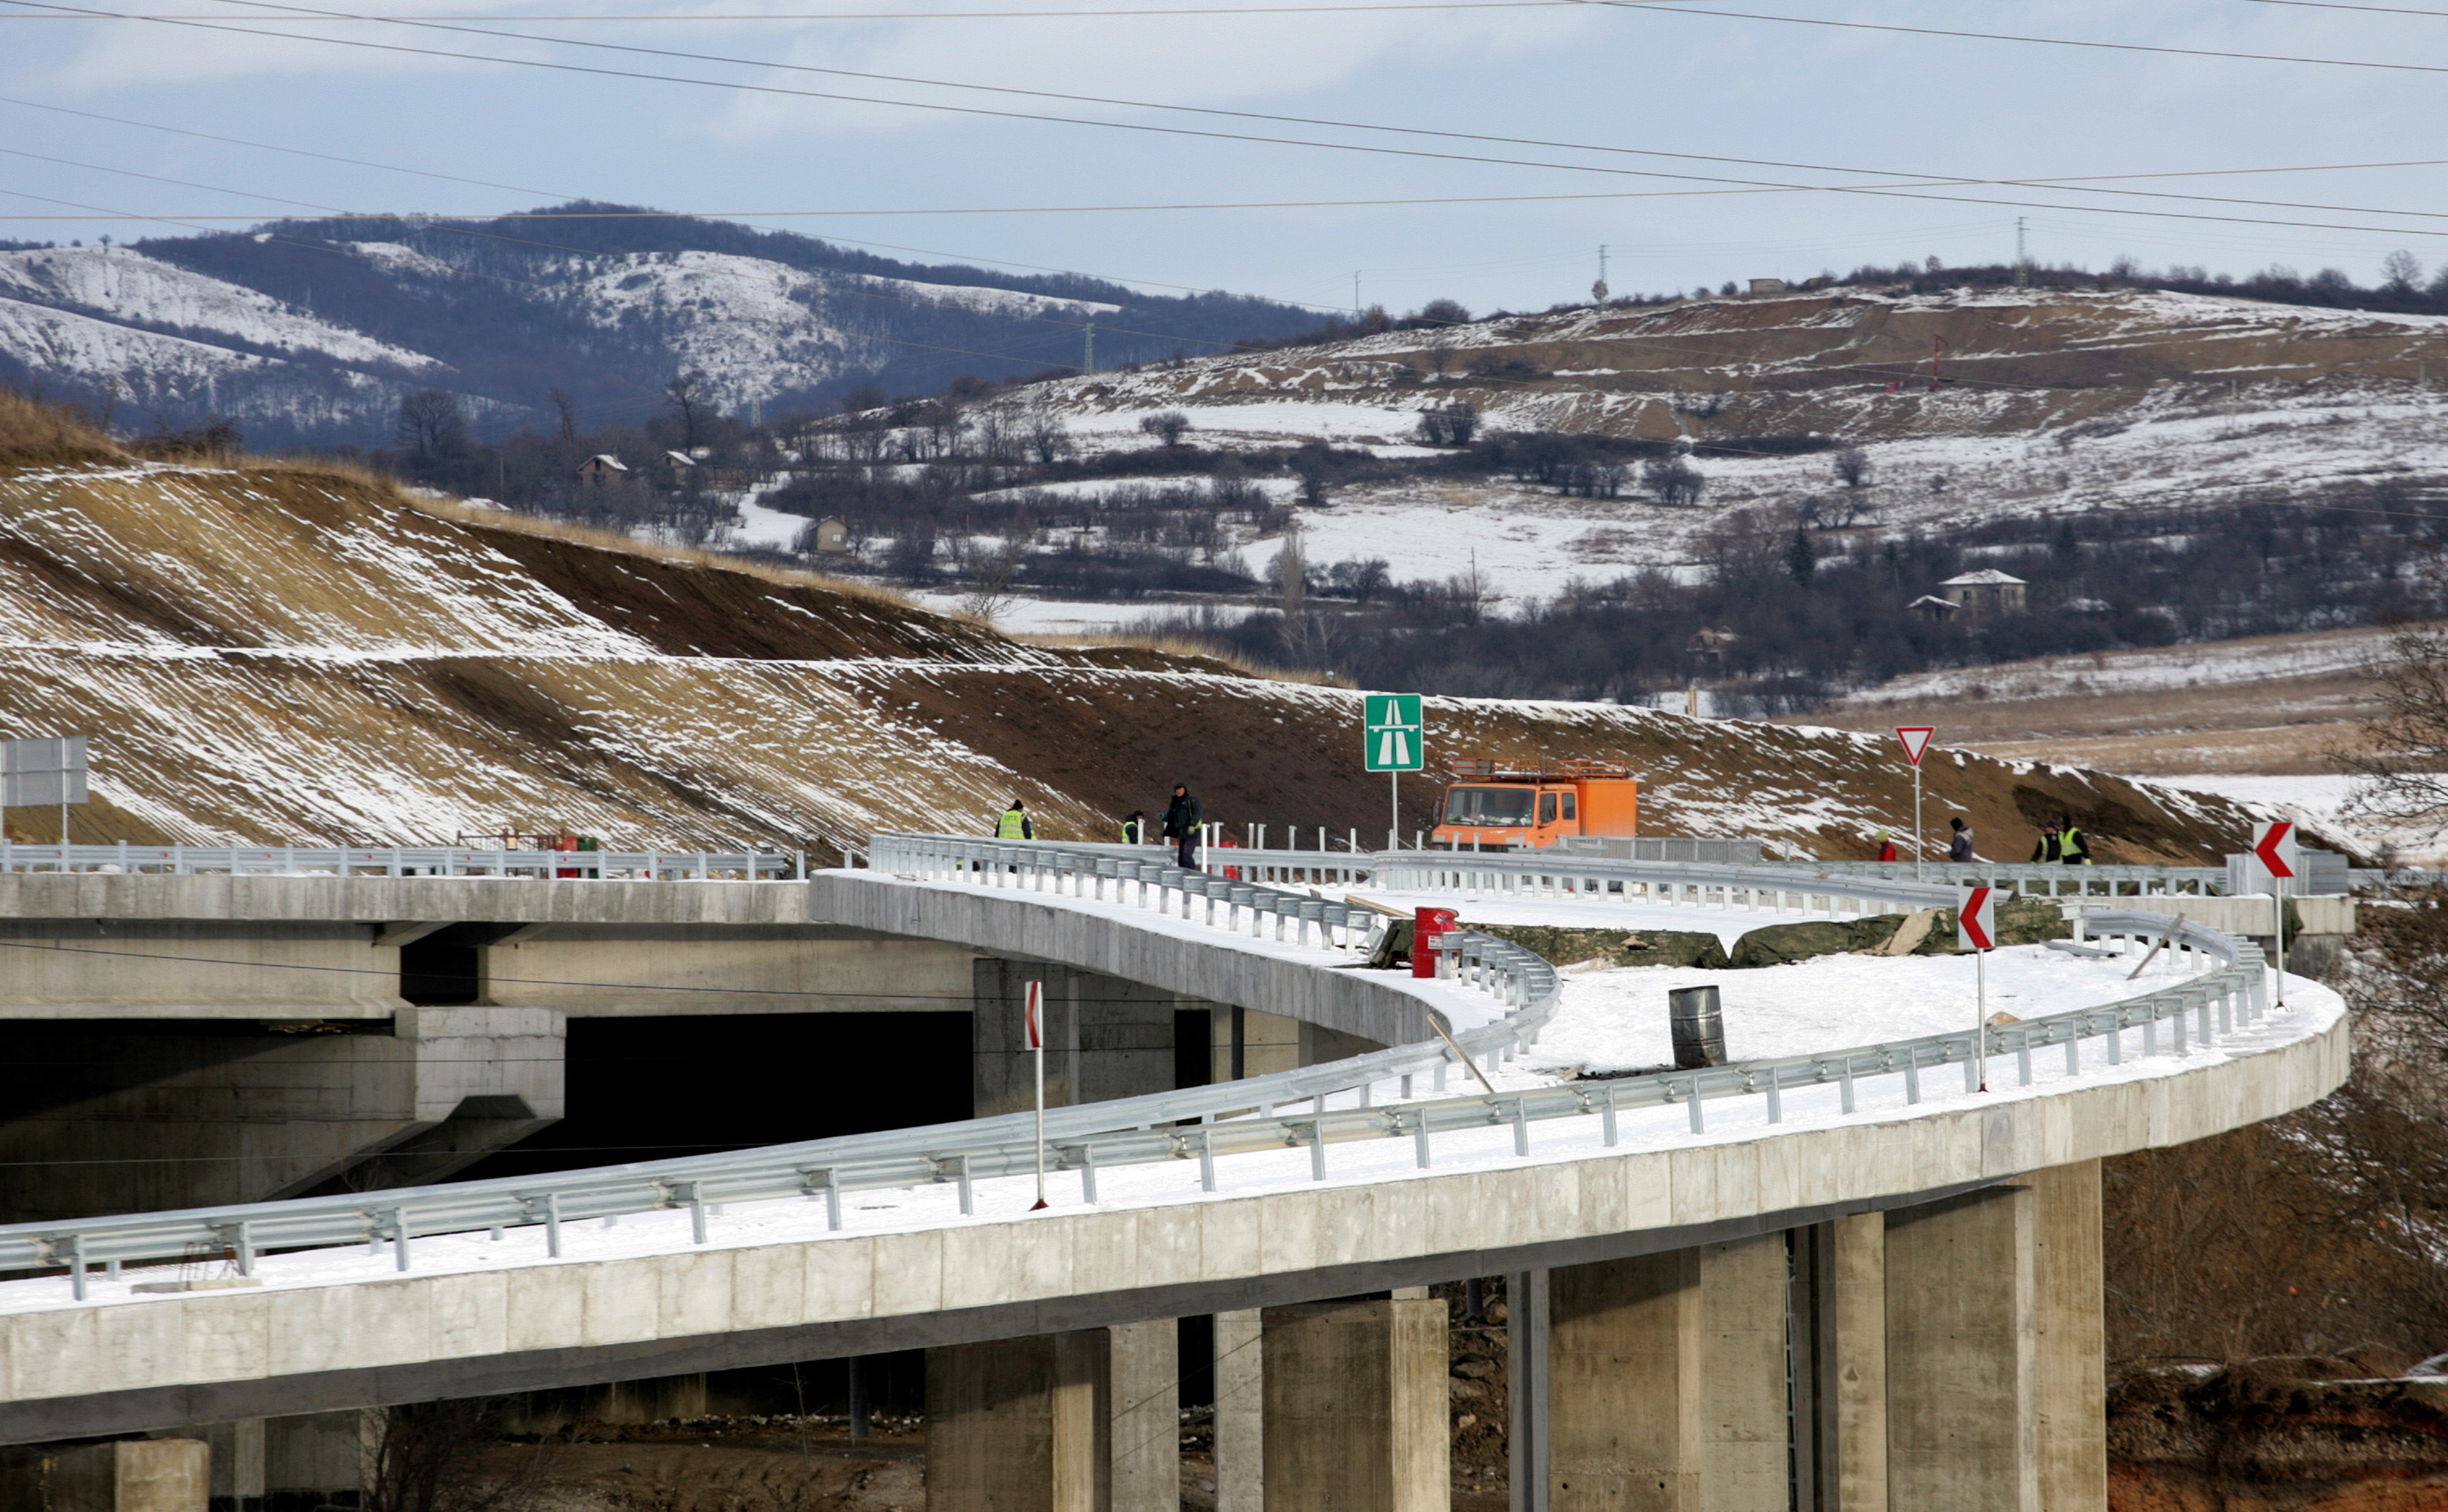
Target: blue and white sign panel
<point x="1397" y="740"/>
<point x="46" y="770"/>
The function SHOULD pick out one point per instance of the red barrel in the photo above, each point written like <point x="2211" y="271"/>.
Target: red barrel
<point x="1428" y="929"/>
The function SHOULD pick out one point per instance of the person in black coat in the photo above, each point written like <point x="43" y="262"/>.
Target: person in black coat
<point x="1181" y="826"/>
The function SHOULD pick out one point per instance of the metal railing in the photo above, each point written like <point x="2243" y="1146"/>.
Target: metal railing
<point x="403" y="861"/>
<point x="2037" y="878"/>
<point x="1204" y="1124"/>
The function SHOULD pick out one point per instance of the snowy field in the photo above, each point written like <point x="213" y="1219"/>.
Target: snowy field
<point x="2205" y="664"/>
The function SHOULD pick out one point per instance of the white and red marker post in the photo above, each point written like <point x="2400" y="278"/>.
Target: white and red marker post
<point x="1035" y="1014"/>
<point x="1916" y="739"/>
<point x="1976" y="930"/>
<point x="2274" y="855"/>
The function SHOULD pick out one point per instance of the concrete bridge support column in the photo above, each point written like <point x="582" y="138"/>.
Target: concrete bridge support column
<point x="1666" y="1386"/>
<point x="1104" y="1038"/>
<point x="1840" y="1368"/>
<point x="1356" y="1407"/>
<point x="130" y="1475"/>
<point x="1240" y="1411"/>
<point x="1996" y="1373"/>
<point x="318" y="1459"/>
<point x="1080" y="1421"/>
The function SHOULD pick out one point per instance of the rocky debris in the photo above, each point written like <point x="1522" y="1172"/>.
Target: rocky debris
<point x="1614" y="948"/>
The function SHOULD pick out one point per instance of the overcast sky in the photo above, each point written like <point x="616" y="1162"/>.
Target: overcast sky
<point x="1845" y="105"/>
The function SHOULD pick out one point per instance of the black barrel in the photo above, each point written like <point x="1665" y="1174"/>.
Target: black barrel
<point x="1699" y="1028"/>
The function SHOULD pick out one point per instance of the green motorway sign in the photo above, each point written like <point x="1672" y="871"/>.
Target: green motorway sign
<point x="1396" y="735"/>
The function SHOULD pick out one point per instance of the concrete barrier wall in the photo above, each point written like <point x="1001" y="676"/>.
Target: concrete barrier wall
<point x="1012" y="923"/>
<point x="218" y="1356"/>
<point x="374" y="900"/>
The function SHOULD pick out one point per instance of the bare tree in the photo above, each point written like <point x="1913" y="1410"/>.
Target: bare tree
<point x="2400" y="272"/>
<point x="2403" y="757"/>
<point x="430" y="424"/>
<point x="446" y="1457"/>
<point x="1449" y="424"/>
<point x="1853" y="467"/>
<point x="566" y="409"/>
<point x="1313" y="466"/>
<point x="985" y="576"/>
<point x="1674" y="480"/>
<point x="692" y="394"/>
<point x="1167" y="426"/>
<point x="1291" y="572"/>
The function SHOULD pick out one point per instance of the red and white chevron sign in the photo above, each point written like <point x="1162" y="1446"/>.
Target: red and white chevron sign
<point x="2273" y="847"/>
<point x="1976" y="919"/>
<point x="1036" y="1015"/>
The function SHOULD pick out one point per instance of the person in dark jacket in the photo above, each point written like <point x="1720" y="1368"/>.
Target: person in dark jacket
<point x="1958" y="844"/>
<point x="2047" y="848"/>
<point x="1135" y="828"/>
<point x="1181" y="824"/>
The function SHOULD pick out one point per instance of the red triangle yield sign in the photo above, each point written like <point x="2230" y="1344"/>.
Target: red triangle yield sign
<point x="1915" y="739"/>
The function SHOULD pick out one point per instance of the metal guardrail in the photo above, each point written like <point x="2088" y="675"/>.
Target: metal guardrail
<point x="1203" y="1123"/>
<point x="2037" y="878"/>
<point x="403" y="861"/>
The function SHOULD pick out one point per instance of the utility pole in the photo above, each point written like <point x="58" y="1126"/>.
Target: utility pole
<point x="1356" y="294"/>
<point x="2022" y="262"/>
<point x="1088" y="355"/>
<point x="1598" y="290"/>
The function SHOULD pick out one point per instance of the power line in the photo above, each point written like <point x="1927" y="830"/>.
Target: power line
<point x="1896" y="191"/>
<point x="1658" y="8"/>
<point x="907" y="15"/>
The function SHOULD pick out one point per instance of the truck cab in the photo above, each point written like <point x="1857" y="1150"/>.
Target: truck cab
<point x="1497" y="805"/>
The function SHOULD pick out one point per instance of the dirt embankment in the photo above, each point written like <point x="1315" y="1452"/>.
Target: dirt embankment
<point x="277" y="652"/>
<point x="2260" y="1437"/>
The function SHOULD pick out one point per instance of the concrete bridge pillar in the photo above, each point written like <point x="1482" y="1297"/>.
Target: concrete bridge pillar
<point x="1355" y="1406"/>
<point x="127" y="1116"/>
<point x="129" y="1474"/>
<point x="1995" y="1375"/>
<point x="318" y="1458"/>
<point x="1104" y="1038"/>
<point x="1240" y="1411"/>
<point x="1665" y="1383"/>
<point x="1078" y="1421"/>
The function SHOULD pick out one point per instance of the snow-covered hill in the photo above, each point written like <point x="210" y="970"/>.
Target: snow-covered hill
<point x="314" y="332"/>
<point x="2044" y="403"/>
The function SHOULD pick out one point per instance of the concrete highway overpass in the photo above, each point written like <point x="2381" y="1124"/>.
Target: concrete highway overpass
<point x="1835" y="1281"/>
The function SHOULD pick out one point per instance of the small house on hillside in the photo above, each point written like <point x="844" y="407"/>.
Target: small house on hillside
<point x="601" y="468"/>
<point x="1767" y="286"/>
<point x="1931" y="606"/>
<point x="831" y="535"/>
<point x="681" y="465"/>
<point x="1987" y="591"/>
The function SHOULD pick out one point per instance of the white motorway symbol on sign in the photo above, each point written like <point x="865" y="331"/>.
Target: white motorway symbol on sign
<point x="1396" y="738"/>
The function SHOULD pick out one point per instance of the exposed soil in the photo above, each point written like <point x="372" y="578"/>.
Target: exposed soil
<point x="2250" y="1439"/>
<point x="281" y="655"/>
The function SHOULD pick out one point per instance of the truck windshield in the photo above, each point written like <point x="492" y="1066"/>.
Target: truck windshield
<point x="1488" y="806"/>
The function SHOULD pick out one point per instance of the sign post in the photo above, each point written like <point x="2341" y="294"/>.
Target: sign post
<point x="43" y="772"/>
<point x="1036" y="1016"/>
<point x="1916" y="739"/>
<point x="1976" y="930"/>
<point x="2274" y="857"/>
<point x="1395" y="743"/>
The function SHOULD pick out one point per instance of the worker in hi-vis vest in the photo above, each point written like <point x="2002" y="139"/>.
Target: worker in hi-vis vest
<point x="1014" y="824"/>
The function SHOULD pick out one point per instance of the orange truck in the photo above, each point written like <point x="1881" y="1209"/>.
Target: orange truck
<point x="1525" y="805"/>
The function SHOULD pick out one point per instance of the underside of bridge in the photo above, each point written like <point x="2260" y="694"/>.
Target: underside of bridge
<point x="160" y="1063"/>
